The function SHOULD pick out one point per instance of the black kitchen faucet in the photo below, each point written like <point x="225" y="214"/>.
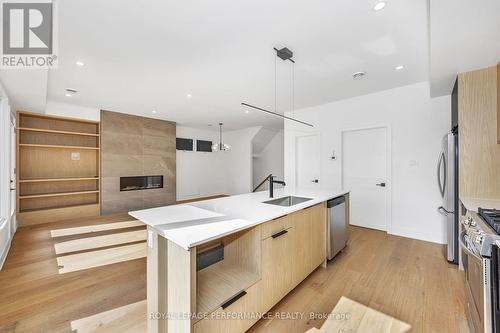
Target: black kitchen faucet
<point x="271" y="185"/>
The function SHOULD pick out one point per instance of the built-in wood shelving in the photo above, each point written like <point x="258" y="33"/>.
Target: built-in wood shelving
<point x="56" y="179"/>
<point x="60" y="194"/>
<point x="57" y="132"/>
<point x="58" y="168"/>
<point x="56" y="146"/>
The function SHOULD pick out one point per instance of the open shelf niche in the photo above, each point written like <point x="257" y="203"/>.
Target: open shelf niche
<point x="240" y="269"/>
<point x="58" y="168"/>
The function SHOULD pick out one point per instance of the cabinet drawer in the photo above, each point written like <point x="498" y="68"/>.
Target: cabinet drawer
<point x="228" y="319"/>
<point x="274" y="226"/>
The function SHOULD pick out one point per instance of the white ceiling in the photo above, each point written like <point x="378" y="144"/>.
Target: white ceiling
<point x="145" y="55"/>
<point x="26" y="89"/>
<point x="464" y="36"/>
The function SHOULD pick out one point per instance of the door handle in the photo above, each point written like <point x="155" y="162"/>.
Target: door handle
<point x="443" y="211"/>
<point x="315" y="181"/>
<point x="381" y="184"/>
<point x="440" y="162"/>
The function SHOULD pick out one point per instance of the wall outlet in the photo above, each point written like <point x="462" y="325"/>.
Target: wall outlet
<point x="75" y="156"/>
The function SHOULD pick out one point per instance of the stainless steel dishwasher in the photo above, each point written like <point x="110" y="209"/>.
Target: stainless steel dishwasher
<point x="336" y="225"/>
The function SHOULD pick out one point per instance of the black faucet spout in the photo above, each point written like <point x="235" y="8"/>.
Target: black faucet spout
<point x="271" y="185"/>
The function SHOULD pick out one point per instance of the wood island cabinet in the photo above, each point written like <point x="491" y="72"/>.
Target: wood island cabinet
<point x="260" y="266"/>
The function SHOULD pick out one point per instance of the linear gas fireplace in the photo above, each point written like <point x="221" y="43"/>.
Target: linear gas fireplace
<point x="140" y="183"/>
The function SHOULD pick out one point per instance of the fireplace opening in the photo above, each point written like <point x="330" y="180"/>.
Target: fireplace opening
<point x="140" y="183"/>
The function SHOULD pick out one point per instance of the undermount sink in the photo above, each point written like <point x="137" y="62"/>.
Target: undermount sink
<point x="287" y="201"/>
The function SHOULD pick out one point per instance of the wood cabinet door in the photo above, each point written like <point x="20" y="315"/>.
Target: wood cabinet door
<point x="317" y="235"/>
<point x="246" y="309"/>
<point x="309" y="245"/>
<point x="301" y="251"/>
<point x="277" y="264"/>
<point x="498" y="103"/>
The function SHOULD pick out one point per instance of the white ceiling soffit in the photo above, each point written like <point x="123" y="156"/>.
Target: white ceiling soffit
<point x="464" y="36"/>
<point x="149" y="55"/>
<point x="26" y="88"/>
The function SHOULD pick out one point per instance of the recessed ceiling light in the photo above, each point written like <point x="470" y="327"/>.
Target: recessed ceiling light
<point x="189" y="95"/>
<point x="398" y="68"/>
<point x="379" y="6"/>
<point x="153" y="112"/>
<point x="79" y="63"/>
<point x="68" y="95"/>
<point x="358" y="75"/>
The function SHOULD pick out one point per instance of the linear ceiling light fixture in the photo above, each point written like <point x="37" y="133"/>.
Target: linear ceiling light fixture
<point x="284" y="54"/>
<point x="276" y="114"/>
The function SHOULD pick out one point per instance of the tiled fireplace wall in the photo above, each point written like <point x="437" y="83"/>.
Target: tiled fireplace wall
<point x="136" y="146"/>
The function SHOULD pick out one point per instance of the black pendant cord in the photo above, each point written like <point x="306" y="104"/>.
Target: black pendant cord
<point x="293" y="89"/>
<point x="284" y="54"/>
<point x="275" y="84"/>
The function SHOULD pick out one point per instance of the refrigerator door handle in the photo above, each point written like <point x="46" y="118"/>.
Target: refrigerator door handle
<point x="441" y="162"/>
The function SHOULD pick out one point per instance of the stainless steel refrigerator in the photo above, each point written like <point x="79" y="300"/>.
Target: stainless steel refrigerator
<point x="447" y="177"/>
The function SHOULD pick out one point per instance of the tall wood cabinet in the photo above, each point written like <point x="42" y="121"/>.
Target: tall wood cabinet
<point x="58" y="168"/>
<point x="479" y="151"/>
<point x="498" y="103"/>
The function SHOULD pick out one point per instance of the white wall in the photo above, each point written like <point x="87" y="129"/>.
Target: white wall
<point x="239" y="160"/>
<point x="72" y="110"/>
<point x="418" y="124"/>
<point x="270" y="160"/>
<point x="201" y="174"/>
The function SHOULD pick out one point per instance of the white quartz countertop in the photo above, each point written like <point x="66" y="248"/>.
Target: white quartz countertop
<point x="189" y="225"/>
<point x="474" y="203"/>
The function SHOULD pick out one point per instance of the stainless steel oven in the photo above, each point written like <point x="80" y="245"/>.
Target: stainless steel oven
<point x="477" y="266"/>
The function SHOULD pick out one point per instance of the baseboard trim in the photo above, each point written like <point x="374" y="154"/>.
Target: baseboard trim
<point x="428" y="237"/>
<point x="3" y="254"/>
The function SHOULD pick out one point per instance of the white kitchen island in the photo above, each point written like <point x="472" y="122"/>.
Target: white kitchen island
<point x="250" y="254"/>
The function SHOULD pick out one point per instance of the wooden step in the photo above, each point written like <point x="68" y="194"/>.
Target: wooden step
<point x="80" y="261"/>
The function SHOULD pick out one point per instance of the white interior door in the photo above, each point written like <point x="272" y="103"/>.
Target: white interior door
<point x="364" y="173"/>
<point x="5" y="196"/>
<point x="13" y="176"/>
<point x="307" y="161"/>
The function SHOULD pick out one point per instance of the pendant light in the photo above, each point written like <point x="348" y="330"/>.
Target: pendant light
<point x="284" y="54"/>
<point x="220" y="146"/>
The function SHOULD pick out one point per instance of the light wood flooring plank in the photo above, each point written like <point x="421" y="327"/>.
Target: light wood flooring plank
<point x="100" y="241"/>
<point x="76" y="262"/>
<point x="350" y="316"/>
<point x="95" y="228"/>
<point x="128" y="318"/>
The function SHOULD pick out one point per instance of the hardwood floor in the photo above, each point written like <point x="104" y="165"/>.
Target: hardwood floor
<point x="36" y="298"/>
<point x="406" y="279"/>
